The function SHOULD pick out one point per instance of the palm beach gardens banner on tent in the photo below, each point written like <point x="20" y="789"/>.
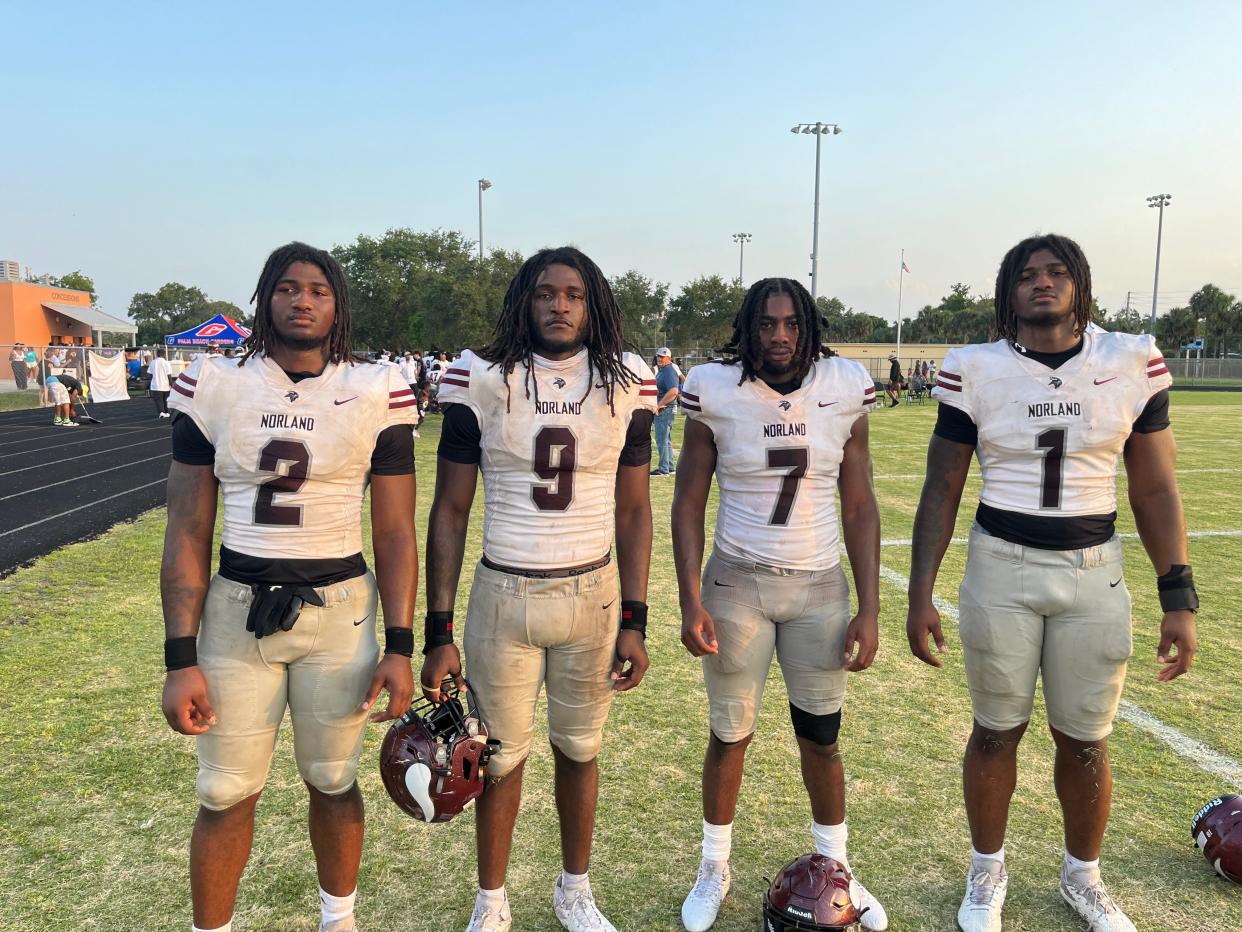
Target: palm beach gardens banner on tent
<point x="220" y="330"/>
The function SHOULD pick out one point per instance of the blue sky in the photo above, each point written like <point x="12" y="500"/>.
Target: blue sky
<point x="153" y="144"/>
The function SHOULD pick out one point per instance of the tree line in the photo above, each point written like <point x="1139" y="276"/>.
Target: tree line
<point x="430" y="289"/>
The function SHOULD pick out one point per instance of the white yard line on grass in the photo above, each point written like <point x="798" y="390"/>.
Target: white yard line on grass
<point x="52" y="485"/>
<point x="1128" y="535"/>
<point x="97" y="501"/>
<point x="1198" y="753"/>
<point x="908" y="476"/>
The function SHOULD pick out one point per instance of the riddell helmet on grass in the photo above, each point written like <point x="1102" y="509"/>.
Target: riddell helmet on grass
<point x="434" y="758"/>
<point x="812" y="893"/>
<point x="1217" y="830"/>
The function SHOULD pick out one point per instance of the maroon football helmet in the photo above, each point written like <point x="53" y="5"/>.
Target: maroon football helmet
<point x="434" y="758"/>
<point x="1217" y="830"/>
<point x="813" y="893"/>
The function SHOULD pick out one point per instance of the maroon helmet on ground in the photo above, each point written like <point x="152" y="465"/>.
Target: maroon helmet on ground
<point x="434" y="758"/>
<point x="1217" y="830"/>
<point x="812" y="893"/>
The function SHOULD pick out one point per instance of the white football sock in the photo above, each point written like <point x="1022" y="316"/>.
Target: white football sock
<point x="492" y="899"/>
<point x="987" y="862"/>
<point x="1080" y="871"/>
<point x="717" y="841"/>
<point x="332" y="908"/>
<point x="830" y="841"/>
<point x="227" y="927"/>
<point x="572" y="883"/>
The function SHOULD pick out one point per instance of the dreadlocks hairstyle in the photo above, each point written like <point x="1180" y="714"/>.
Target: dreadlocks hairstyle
<point x="264" y="336"/>
<point x="744" y="345"/>
<point x="1011" y="268"/>
<point x="513" y="341"/>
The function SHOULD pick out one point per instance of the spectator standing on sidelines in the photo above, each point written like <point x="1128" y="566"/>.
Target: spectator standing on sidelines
<point x="894" y="379"/>
<point x="667" y="389"/>
<point x="17" y="361"/>
<point x="160" y="385"/>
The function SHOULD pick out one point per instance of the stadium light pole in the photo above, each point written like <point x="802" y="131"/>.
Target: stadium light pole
<point x="484" y="184"/>
<point x="741" y="239"/>
<point x="1161" y="201"/>
<point x="818" y="130"/>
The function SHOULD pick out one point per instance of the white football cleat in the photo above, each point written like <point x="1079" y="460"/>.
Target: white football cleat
<point x="874" y="918"/>
<point x="1090" y="899"/>
<point x="985" y="897"/>
<point x="577" y="912"/>
<point x="702" y="904"/>
<point x="487" y="918"/>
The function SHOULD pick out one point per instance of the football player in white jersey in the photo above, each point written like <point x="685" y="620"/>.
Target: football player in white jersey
<point x="1048" y="409"/>
<point x="782" y="427"/>
<point x="291" y="435"/>
<point x="557" y="418"/>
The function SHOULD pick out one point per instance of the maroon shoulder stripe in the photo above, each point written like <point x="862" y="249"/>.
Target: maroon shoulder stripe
<point x="940" y="383"/>
<point x="460" y="384"/>
<point x="690" y="396"/>
<point x="1152" y="373"/>
<point x="188" y="380"/>
<point x="951" y="376"/>
<point x="177" y="388"/>
<point x="401" y="404"/>
<point x="465" y="372"/>
<point x="690" y="406"/>
<point x="401" y="393"/>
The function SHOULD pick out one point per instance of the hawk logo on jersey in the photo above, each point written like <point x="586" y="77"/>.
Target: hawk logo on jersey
<point x="292" y="396"/>
<point x="558" y="382"/>
<point x="1054" y="382"/>
<point x="784" y="405"/>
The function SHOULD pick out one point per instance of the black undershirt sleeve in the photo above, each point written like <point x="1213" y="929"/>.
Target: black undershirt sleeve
<point x="394" y="451"/>
<point x="956" y="425"/>
<point x="189" y="446"/>
<point x="461" y="441"/>
<point x="637" y="449"/>
<point x="1155" y="416"/>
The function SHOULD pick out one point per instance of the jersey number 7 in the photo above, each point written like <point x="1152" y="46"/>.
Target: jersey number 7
<point x="796" y="460"/>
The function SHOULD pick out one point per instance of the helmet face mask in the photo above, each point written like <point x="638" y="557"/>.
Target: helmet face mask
<point x="434" y="758"/>
<point x="1217" y="830"/>
<point x="812" y="893"/>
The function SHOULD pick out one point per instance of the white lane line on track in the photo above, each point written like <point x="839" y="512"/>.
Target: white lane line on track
<point x="81" y="456"/>
<point x="97" y="501"/>
<point x="56" y="431"/>
<point x="52" y="485"/>
<point x="73" y="443"/>
<point x="1196" y="752"/>
<point x="1127" y="535"/>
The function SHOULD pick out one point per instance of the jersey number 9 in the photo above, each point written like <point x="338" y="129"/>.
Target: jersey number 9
<point x="556" y="455"/>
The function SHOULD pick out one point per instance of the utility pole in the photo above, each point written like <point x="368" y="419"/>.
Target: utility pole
<point x="1157" y="200"/>
<point x="484" y="184"/>
<point x="819" y="130"/>
<point x="741" y="239"/>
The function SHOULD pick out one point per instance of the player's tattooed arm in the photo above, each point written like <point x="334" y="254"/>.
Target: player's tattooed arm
<point x="446" y="547"/>
<point x="186" y="567"/>
<point x="948" y="464"/>
<point x="634" y="532"/>
<point x="395" y="541"/>
<point x="1150" y="460"/>
<point x="695" y="468"/>
<point x="860" y="521"/>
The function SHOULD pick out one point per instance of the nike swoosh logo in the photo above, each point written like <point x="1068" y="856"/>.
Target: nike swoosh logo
<point x="1102" y="381"/>
<point x="1114" y="585"/>
<point x="826" y="404"/>
<point x="345" y="402"/>
<point x="361" y="620"/>
<point x="605" y="607"/>
<point x="724" y="584"/>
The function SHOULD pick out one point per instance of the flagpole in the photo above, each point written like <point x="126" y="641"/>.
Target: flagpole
<point x="900" y="279"/>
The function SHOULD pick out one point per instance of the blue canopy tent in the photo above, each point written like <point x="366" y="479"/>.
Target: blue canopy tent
<point x="220" y="330"/>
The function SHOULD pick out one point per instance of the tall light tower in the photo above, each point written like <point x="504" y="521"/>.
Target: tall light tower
<point x="741" y="239"/>
<point x="1157" y="200"/>
<point x="818" y="130"/>
<point x="484" y="184"/>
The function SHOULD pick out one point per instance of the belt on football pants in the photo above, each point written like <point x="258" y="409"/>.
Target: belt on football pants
<point x="564" y="573"/>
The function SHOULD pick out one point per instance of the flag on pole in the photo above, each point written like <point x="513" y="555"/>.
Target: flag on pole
<point x="905" y="268"/>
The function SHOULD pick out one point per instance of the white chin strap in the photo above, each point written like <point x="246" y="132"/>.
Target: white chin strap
<point x="418" y="782"/>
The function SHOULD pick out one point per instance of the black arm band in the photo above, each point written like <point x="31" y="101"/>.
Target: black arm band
<point x="437" y="630"/>
<point x="634" y="616"/>
<point x="1177" y="589"/>
<point x="399" y="641"/>
<point x="180" y="653"/>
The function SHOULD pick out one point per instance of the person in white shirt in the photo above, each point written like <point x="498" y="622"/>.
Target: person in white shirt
<point x="160" y="384"/>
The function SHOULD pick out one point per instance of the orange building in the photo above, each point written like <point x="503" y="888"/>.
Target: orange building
<point x="40" y="315"/>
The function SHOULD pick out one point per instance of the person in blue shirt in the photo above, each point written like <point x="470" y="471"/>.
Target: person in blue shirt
<point x="667" y="389"/>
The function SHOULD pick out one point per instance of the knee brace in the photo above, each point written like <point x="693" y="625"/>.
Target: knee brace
<point x="819" y="729"/>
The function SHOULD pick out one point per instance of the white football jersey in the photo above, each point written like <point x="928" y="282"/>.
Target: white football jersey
<point x="293" y="458"/>
<point x="1049" y="439"/>
<point x="778" y="458"/>
<point x="549" y="468"/>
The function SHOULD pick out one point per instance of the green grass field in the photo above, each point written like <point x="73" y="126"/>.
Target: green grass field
<point x="97" y="794"/>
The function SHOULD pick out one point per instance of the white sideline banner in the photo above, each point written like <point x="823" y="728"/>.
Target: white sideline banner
<point x="108" y="378"/>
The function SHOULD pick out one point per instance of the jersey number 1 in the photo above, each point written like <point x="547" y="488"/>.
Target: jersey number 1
<point x="297" y="456"/>
<point x="1052" y="442"/>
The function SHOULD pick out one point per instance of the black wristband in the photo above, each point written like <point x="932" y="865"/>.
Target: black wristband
<point x="1177" y="589"/>
<point x="634" y="616"/>
<point x="399" y="641"/>
<point x="180" y="653"/>
<point x="437" y="630"/>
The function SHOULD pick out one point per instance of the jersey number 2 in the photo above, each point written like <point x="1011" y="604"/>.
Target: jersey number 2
<point x="794" y="459"/>
<point x="1052" y="442"/>
<point x="556" y="455"/>
<point x="297" y="456"/>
